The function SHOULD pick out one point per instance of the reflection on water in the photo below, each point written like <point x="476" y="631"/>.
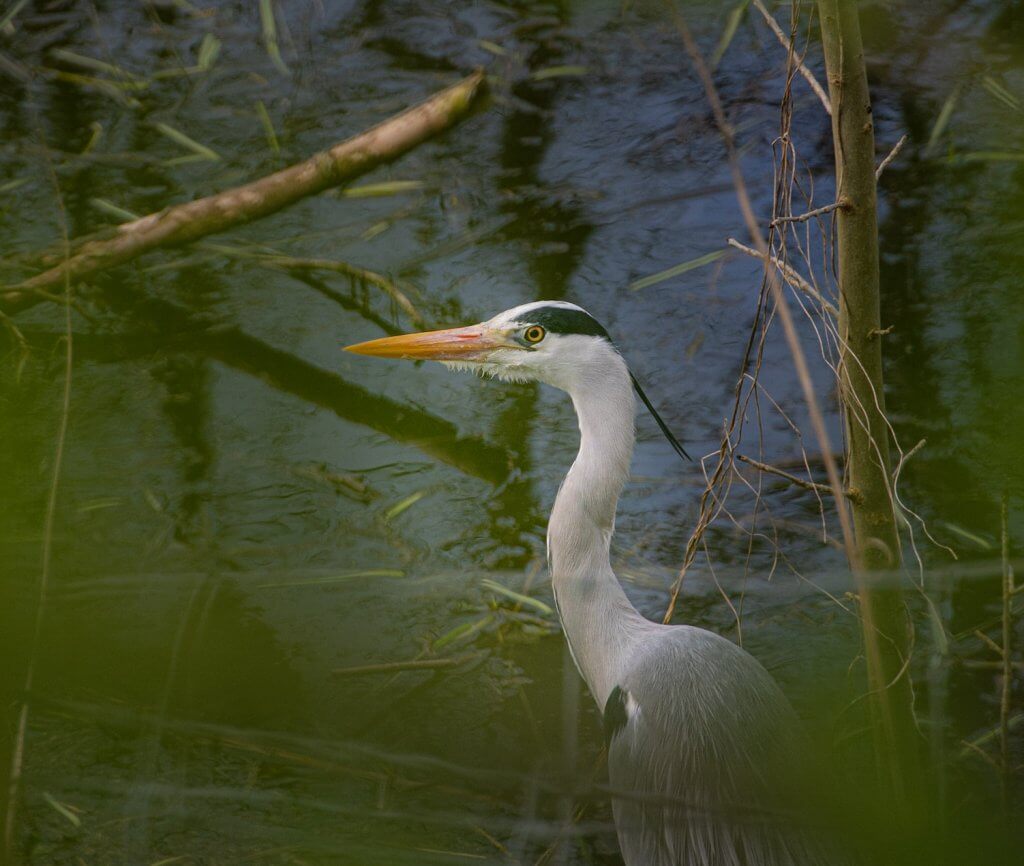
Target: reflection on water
<point x="269" y="635"/>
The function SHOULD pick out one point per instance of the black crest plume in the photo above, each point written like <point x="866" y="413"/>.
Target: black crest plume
<point x="573" y="320"/>
<point x="676" y="445"/>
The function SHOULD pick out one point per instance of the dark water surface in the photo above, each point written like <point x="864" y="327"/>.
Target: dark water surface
<point x="245" y="512"/>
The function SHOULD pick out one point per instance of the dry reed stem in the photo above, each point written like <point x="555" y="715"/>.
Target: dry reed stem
<point x="712" y="505"/>
<point x="790" y="275"/>
<point x="18" y="752"/>
<point x="193" y="220"/>
<point x="782" y="309"/>
<point x="1006" y="691"/>
<point x="906" y="456"/>
<point x="788" y="45"/>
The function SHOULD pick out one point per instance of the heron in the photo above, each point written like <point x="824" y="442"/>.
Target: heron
<point x="700" y="738"/>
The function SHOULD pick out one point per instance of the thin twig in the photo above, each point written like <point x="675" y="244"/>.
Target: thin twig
<point x="971" y="747"/>
<point x="906" y="456"/>
<point x="818" y="211"/>
<point x="892" y="155"/>
<point x="990" y="735"/>
<point x="371" y="277"/>
<point x="991" y="644"/>
<point x="804" y="71"/>
<point x="300" y="264"/>
<point x="793" y="479"/>
<point x="790" y="275"/>
<point x="782" y="308"/>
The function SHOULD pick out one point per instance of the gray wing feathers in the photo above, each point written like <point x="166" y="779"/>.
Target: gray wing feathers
<point x="699" y="765"/>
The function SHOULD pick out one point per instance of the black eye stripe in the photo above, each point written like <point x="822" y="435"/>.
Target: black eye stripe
<point x="560" y="320"/>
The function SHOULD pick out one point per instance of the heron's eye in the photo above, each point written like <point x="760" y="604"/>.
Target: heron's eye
<point x="533" y="334"/>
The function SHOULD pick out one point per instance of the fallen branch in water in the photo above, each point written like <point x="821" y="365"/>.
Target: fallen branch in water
<point x="193" y="220"/>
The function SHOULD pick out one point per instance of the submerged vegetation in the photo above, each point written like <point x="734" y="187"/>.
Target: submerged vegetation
<point x="261" y="606"/>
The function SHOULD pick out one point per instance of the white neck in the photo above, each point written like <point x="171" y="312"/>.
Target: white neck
<point x="599" y="621"/>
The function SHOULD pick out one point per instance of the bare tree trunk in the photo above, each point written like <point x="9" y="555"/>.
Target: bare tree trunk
<point x="887" y="632"/>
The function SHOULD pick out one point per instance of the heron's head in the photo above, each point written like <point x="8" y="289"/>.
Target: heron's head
<point x="547" y="341"/>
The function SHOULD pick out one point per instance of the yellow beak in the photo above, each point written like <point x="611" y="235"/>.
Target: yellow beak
<point x="452" y="344"/>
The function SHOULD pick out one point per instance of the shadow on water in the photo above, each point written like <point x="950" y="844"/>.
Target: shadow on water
<point x="179" y="330"/>
<point x="241" y="660"/>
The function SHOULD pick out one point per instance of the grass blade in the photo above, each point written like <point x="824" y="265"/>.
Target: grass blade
<point x="94" y="65"/>
<point x="990" y="156"/>
<point x="942" y="121"/>
<point x="460" y="632"/>
<point x="732" y="24"/>
<point x="12" y="185"/>
<point x="270" y="37"/>
<point x="114" y="89"/>
<point x="376" y="190"/>
<point x="661" y="276"/>
<point x="209" y="48"/>
<point x="492" y="47"/>
<point x="108" y="207"/>
<point x="268" y="127"/>
<point x="94" y="139"/>
<point x="60" y="808"/>
<point x="8" y="16"/>
<point x="1001" y="93"/>
<point x="404" y="505"/>
<point x="527" y="600"/>
<point x="970" y="536"/>
<point x="199" y="150"/>
<point x="559" y="72"/>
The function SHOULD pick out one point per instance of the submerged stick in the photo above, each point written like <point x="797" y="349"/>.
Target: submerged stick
<point x="188" y="222"/>
<point x="371" y="277"/>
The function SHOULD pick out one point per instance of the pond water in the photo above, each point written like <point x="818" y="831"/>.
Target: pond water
<point x="247" y="518"/>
